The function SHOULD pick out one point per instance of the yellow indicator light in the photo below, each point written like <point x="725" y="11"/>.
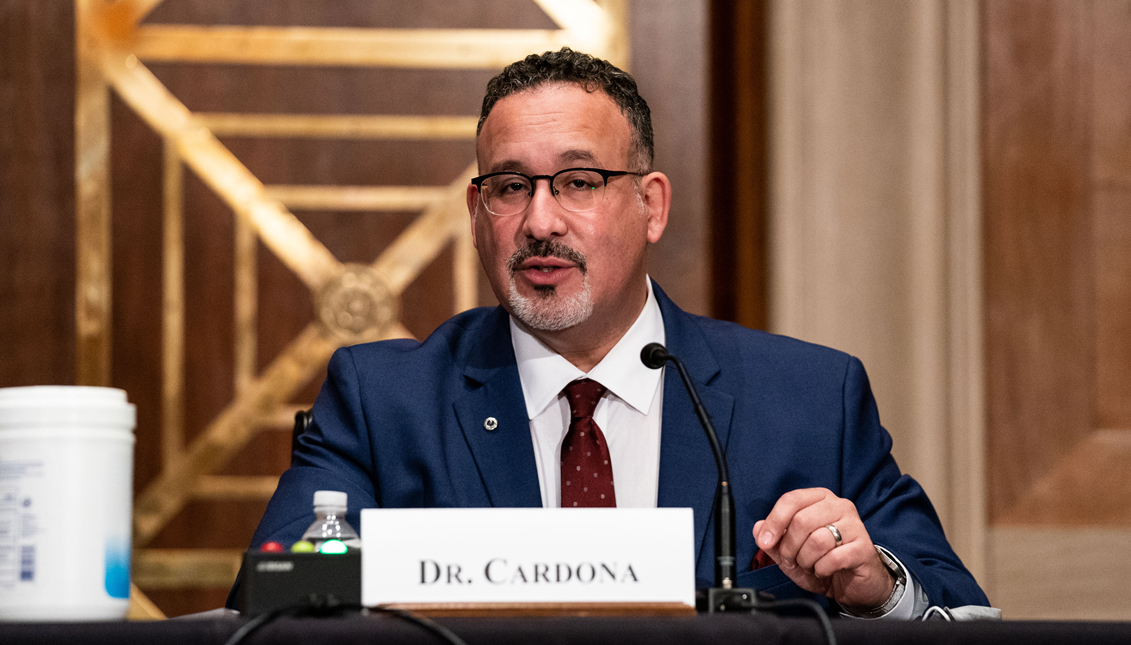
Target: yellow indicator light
<point x="302" y="546"/>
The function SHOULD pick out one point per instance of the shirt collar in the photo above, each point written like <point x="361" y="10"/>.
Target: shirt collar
<point x="544" y="373"/>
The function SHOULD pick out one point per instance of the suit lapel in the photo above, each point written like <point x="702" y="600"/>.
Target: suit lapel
<point x="503" y="451"/>
<point x="505" y="455"/>
<point x="688" y="475"/>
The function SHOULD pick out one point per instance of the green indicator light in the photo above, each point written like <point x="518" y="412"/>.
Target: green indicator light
<point x="333" y="547"/>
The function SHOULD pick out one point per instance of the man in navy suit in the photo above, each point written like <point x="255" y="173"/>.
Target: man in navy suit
<point x="562" y="215"/>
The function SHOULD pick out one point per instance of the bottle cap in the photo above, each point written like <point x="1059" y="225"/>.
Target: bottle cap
<point x="330" y="498"/>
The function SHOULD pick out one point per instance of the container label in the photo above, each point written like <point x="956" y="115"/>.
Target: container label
<point x="117" y="579"/>
<point x="20" y="469"/>
<point x="27" y="563"/>
<point x="18" y="523"/>
<point x="9" y="534"/>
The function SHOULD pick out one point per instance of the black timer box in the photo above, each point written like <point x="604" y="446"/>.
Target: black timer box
<point x="272" y="580"/>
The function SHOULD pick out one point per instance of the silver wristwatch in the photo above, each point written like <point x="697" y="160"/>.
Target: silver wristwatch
<point x="900" y="577"/>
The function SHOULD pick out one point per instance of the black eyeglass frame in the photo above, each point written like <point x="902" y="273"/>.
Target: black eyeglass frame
<point x="606" y="175"/>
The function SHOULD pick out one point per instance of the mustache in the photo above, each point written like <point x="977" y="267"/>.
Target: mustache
<point x="547" y="249"/>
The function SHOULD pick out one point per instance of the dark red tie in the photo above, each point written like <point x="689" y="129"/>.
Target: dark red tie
<point x="587" y="472"/>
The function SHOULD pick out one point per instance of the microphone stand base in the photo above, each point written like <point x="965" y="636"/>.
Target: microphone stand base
<point x="717" y="600"/>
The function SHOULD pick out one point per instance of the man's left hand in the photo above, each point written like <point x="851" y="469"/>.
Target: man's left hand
<point x="796" y="535"/>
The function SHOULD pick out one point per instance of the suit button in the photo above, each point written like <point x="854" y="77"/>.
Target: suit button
<point x="490" y="423"/>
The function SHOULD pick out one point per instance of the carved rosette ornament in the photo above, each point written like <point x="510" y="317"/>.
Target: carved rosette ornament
<point x="356" y="305"/>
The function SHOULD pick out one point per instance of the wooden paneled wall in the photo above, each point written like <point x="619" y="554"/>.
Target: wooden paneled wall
<point x="1057" y="154"/>
<point x="874" y="221"/>
<point x="950" y="200"/>
<point x="37" y="230"/>
<point x="1058" y="260"/>
<point x="738" y="173"/>
<point x="37" y="294"/>
<point x="669" y="58"/>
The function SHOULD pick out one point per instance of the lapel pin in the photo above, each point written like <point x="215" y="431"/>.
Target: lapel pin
<point x="490" y="423"/>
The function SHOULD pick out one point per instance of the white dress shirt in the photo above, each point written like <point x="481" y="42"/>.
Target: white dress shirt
<point x="628" y="415"/>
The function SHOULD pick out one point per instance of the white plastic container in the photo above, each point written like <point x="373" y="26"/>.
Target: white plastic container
<point x="66" y="493"/>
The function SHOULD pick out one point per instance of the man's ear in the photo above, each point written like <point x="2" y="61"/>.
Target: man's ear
<point x="473" y="210"/>
<point x="656" y="191"/>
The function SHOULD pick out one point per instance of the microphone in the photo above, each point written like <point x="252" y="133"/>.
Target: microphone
<point x="654" y="356"/>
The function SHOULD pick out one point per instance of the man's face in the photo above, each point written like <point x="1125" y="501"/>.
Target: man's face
<point x="552" y="268"/>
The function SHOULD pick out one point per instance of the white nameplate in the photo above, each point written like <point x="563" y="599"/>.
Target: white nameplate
<point x="527" y="555"/>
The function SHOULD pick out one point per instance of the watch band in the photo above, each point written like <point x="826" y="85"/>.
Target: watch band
<point x="897" y="589"/>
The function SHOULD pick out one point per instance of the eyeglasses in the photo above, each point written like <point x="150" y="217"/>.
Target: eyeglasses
<point x="576" y="189"/>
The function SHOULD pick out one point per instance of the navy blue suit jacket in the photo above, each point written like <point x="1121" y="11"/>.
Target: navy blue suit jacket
<point x="401" y="424"/>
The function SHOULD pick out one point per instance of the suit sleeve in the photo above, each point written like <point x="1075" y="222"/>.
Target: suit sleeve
<point x="894" y="507"/>
<point x="335" y="453"/>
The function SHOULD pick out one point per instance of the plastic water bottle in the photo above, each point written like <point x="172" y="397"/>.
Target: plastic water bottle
<point x="330" y="521"/>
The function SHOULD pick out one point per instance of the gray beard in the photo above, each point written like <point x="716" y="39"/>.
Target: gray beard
<point x="547" y="311"/>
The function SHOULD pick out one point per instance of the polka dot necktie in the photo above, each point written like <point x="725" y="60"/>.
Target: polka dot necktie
<point x="587" y="473"/>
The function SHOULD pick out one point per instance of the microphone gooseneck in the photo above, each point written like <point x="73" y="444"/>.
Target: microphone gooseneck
<point x="725" y="596"/>
<point x="654" y="356"/>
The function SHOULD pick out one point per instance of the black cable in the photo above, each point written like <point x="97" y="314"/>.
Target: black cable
<point x="427" y="623"/>
<point x="321" y="605"/>
<point x="315" y="605"/>
<point x="822" y="618"/>
<point x="318" y="605"/>
<point x="254" y="624"/>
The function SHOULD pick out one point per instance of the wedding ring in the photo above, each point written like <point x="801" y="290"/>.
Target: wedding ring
<point x="836" y="534"/>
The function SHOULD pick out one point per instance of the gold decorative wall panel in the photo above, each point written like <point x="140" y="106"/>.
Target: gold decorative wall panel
<point x="353" y="302"/>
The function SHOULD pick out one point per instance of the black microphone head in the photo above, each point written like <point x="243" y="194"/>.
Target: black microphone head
<point x="654" y="355"/>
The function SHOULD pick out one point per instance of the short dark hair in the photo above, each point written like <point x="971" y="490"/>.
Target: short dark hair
<point x="589" y="72"/>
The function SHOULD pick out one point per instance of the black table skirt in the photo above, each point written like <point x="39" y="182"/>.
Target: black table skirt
<point x="705" y="630"/>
